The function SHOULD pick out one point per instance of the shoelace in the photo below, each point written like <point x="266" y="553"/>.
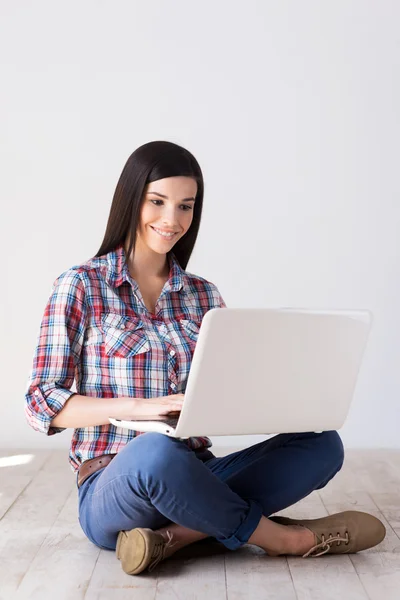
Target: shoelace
<point x="159" y="551"/>
<point x="326" y="544"/>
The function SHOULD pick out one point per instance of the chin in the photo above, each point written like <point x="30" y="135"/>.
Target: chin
<point x="159" y="250"/>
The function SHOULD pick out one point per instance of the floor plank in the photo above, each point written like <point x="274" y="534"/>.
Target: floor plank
<point x="389" y="505"/>
<point x="109" y="582"/>
<point x="251" y="573"/>
<point x="382" y="586"/>
<point x="17" y="469"/>
<point x="328" y="577"/>
<point x="192" y="578"/>
<point x="65" y="560"/>
<point x="25" y="525"/>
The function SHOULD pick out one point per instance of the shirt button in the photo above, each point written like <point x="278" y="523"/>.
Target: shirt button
<point x="171" y="352"/>
<point x="36" y="392"/>
<point x="122" y="326"/>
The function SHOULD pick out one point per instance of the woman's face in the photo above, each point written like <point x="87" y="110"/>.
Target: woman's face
<point x="168" y="207"/>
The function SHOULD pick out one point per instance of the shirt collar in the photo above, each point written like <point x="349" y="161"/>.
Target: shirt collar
<point x="117" y="270"/>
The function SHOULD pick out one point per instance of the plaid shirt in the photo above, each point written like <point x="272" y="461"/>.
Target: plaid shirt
<point x="97" y="330"/>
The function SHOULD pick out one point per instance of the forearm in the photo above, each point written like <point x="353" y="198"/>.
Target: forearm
<point x="85" y="411"/>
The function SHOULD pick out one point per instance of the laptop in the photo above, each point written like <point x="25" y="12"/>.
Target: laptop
<point x="268" y="371"/>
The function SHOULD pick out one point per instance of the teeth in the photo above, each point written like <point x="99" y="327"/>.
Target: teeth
<point x="167" y="235"/>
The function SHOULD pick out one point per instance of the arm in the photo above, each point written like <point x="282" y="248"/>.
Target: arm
<point x="57" y="353"/>
<point x="85" y="411"/>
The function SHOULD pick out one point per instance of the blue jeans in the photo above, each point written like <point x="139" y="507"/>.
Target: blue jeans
<point x="156" y="479"/>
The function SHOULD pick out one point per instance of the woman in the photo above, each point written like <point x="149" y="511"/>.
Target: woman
<point x="125" y="324"/>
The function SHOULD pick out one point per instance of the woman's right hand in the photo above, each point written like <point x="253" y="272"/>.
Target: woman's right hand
<point x="161" y="405"/>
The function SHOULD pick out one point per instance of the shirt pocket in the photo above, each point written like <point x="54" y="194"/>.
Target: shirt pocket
<point x="190" y="328"/>
<point x="123" y="336"/>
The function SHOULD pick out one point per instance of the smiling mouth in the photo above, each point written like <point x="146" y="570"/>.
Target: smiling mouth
<point x="163" y="235"/>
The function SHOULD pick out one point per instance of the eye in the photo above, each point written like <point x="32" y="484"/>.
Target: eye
<point x="186" y="206"/>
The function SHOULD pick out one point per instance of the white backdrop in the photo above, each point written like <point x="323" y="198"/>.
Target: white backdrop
<point x="291" y="108"/>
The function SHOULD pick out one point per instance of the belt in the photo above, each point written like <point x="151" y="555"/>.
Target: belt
<point x="92" y="465"/>
<point x="88" y="467"/>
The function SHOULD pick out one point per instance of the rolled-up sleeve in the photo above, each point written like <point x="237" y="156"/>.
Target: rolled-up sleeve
<point x="57" y="353"/>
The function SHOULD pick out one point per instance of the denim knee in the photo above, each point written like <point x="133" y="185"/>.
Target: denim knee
<point x="331" y="447"/>
<point x="154" y="452"/>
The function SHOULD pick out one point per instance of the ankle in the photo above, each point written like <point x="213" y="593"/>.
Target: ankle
<point x="300" y="541"/>
<point x="278" y="539"/>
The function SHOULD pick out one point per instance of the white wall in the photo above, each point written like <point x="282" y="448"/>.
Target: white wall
<point x="291" y="108"/>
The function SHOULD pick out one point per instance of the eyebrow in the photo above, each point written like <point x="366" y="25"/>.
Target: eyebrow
<point x="162" y="196"/>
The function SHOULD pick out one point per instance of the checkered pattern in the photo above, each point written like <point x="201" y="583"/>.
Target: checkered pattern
<point x="97" y="331"/>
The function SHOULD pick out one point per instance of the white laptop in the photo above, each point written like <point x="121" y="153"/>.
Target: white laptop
<point x="268" y="371"/>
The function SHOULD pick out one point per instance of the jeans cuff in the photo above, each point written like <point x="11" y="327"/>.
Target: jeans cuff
<point x="245" y="529"/>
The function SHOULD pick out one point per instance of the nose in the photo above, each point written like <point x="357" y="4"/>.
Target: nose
<point x="169" y="218"/>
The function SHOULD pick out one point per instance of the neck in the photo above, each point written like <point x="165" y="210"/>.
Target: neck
<point x="147" y="264"/>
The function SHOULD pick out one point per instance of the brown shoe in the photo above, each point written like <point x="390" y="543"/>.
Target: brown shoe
<point x="141" y="548"/>
<point x="341" y="533"/>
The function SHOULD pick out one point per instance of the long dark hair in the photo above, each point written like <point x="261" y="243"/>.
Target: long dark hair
<point x="152" y="161"/>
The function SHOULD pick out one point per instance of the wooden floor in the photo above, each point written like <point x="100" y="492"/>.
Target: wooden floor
<point x="44" y="553"/>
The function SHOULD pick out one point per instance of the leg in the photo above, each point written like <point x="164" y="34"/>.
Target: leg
<point x="154" y="480"/>
<point x="275" y="473"/>
<point x="282" y="470"/>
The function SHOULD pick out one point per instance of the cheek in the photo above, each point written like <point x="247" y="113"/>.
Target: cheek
<point x="148" y="214"/>
<point x="188" y="218"/>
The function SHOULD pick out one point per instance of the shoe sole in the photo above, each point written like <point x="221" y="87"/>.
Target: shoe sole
<point x="126" y="542"/>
